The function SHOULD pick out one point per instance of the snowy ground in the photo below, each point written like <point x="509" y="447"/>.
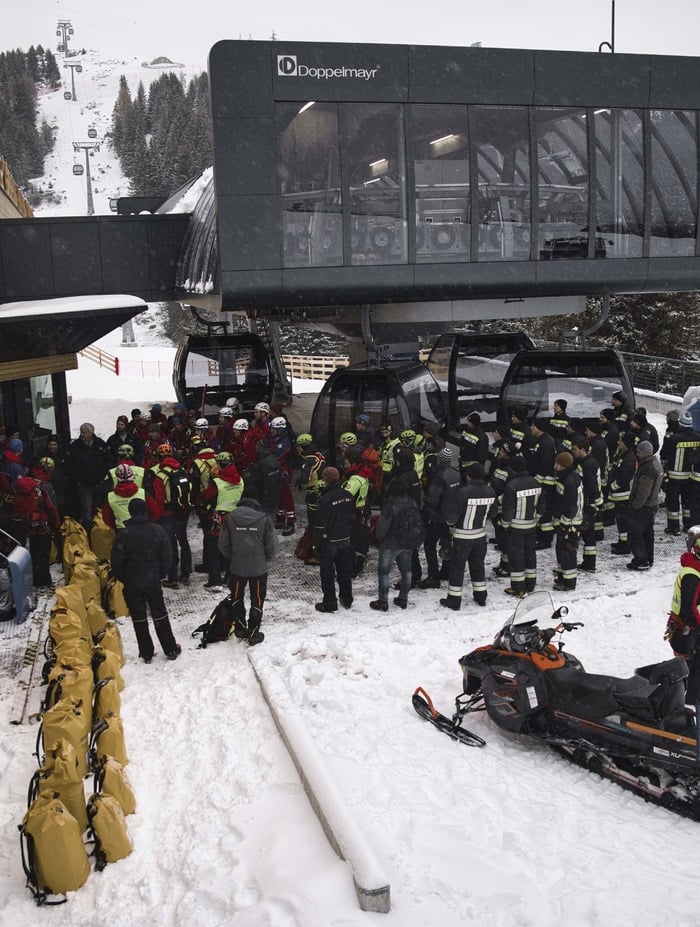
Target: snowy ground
<point x="506" y="835"/>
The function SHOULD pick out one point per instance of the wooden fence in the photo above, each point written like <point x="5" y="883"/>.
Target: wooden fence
<point x="314" y="367"/>
<point x="101" y="358"/>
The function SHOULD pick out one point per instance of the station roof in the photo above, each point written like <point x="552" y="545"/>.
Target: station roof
<point x="40" y="336"/>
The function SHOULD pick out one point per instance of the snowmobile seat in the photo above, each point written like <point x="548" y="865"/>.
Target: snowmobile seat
<point x="669" y="678"/>
<point x="598" y="695"/>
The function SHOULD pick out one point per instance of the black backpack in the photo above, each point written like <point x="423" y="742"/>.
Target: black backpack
<point x="180" y="490"/>
<point x="409" y="529"/>
<point x="221" y="624"/>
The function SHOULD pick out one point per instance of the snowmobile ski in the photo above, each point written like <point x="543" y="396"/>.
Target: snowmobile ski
<point x="451" y="726"/>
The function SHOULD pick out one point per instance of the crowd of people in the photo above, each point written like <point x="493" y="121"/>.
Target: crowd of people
<point x="536" y="483"/>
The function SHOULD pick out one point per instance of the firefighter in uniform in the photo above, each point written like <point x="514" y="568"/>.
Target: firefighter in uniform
<point x="568" y="513"/>
<point x="681" y="449"/>
<point x="473" y="505"/>
<point x="589" y="468"/>
<point x="520" y="503"/>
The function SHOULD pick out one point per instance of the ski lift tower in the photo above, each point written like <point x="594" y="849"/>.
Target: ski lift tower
<point x="74" y="66"/>
<point x="88" y="148"/>
<point x="64" y="30"/>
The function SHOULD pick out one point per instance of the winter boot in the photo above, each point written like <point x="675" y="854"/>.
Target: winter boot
<point x="452" y="601"/>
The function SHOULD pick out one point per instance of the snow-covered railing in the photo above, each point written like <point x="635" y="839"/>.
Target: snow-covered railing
<point x="342" y="830"/>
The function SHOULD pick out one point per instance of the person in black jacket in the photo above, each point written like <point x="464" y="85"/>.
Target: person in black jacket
<point x="394" y="545"/>
<point x="140" y="560"/>
<point x="589" y="468"/>
<point x="521" y="502"/>
<point x="266" y="476"/>
<point x="470" y="508"/>
<point x="568" y="513"/>
<point x="89" y="461"/>
<point x="443" y="481"/>
<point x="332" y="539"/>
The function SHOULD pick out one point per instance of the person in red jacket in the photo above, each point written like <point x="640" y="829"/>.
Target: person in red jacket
<point x="260" y="426"/>
<point x="243" y="445"/>
<point x="173" y="511"/>
<point x="34" y="506"/>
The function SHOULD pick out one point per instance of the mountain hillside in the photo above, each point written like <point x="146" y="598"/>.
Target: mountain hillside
<point x="96" y="90"/>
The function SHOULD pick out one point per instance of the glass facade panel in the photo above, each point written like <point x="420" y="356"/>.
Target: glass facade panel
<point x="674" y="182"/>
<point x="502" y="140"/>
<point x="439" y="142"/>
<point x="374" y="169"/>
<point x="619" y="141"/>
<point x="309" y="174"/>
<point x="43" y="411"/>
<point x="342" y="174"/>
<point x="562" y="170"/>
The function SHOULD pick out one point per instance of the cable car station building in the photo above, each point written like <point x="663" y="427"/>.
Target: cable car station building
<point x="395" y="190"/>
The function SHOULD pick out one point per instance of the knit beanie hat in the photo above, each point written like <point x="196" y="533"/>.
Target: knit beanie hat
<point x="562" y="403"/>
<point x="645" y="448"/>
<point x="518" y="465"/>
<point x="476" y="471"/>
<point x="628" y="439"/>
<point x="15" y="445"/>
<point x="446" y="455"/>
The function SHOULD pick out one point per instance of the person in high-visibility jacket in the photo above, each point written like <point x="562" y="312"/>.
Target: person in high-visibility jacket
<point x="683" y="628"/>
<point x="115" y="511"/>
<point x="356" y="481"/>
<point x="221" y="496"/>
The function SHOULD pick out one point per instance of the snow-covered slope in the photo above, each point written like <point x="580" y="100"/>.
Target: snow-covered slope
<point x="96" y="90"/>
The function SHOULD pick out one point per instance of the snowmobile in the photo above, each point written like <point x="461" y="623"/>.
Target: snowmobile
<point x="638" y="731"/>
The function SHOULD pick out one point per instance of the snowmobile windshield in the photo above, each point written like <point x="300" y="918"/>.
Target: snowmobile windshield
<point x="534" y="613"/>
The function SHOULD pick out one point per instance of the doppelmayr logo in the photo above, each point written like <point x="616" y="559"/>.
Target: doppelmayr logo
<point x="288" y="66"/>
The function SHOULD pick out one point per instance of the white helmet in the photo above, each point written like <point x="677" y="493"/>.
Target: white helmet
<point x="241" y="424"/>
<point x="278" y="422"/>
<point x="226" y="411"/>
<point x="262" y="407"/>
<point x="201" y="423"/>
<point x="233" y="403"/>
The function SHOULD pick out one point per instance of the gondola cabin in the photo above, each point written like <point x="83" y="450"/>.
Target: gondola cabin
<point x="402" y="393"/>
<point x="586" y="379"/>
<point x="469" y="369"/>
<point x="209" y="369"/>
